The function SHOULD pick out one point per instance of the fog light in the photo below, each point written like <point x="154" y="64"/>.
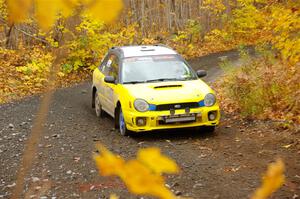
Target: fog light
<point x="140" y="121"/>
<point x="212" y="116"/>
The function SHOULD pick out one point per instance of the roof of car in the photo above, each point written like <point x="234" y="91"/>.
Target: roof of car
<point x="135" y="51"/>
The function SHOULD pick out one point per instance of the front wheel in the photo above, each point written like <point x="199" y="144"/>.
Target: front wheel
<point x="122" y="125"/>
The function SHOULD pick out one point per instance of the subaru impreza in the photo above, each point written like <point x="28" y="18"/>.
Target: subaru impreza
<point x="147" y="88"/>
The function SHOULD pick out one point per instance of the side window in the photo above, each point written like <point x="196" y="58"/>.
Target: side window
<point x="114" y="67"/>
<point x="106" y="67"/>
<point x="110" y="66"/>
<point x="102" y="66"/>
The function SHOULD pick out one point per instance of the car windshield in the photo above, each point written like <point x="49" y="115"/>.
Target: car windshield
<point x="155" y="68"/>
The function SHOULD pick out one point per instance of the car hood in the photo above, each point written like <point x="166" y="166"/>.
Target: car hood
<point x="169" y="92"/>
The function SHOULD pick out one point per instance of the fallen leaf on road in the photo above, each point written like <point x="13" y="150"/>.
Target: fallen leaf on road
<point x="76" y="159"/>
<point x="205" y="148"/>
<point x="232" y="169"/>
<point x="287" y="146"/>
<point x="11" y="185"/>
<point x="236" y="169"/>
<point x="295" y="196"/>
<point x="202" y="156"/>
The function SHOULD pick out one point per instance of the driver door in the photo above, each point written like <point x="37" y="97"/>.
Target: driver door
<point x="109" y="88"/>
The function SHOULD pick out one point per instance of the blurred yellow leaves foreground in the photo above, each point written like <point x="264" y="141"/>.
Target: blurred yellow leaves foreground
<point x="142" y="175"/>
<point x="47" y="11"/>
<point x="272" y="180"/>
<point x="113" y="196"/>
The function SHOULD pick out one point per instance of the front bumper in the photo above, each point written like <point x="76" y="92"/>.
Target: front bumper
<point x="154" y="119"/>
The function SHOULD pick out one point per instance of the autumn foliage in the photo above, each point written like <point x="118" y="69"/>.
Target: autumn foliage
<point x="76" y="26"/>
<point x="46" y="13"/>
<point x="265" y="88"/>
<point x="142" y="175"/>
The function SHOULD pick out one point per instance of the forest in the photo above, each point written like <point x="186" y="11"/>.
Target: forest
<point x="50" y="45"/>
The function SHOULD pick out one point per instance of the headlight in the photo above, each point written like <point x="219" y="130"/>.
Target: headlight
<point x="141" y="105"/>
<point x="209" y="99"/>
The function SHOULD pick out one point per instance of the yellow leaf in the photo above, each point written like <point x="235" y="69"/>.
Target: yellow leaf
<point x="104" y="10"/>
<point x="18" y="10"/>
<point x="107" y="162"/>
<point x="46" y="12"/>
<point x="113" y="196"/>
<point x="159" y="163"/>
<point x="140" y="180"/>
<point x="272" y="180"/>
<point x="138" y="177"/>
<point x="60" y="74"/>
<point x="67" y="7"/>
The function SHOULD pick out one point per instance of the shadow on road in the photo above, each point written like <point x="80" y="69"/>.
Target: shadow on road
<point x="174" y="134"/>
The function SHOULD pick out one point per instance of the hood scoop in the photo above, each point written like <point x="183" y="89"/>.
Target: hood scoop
<point x="168" y="86"/>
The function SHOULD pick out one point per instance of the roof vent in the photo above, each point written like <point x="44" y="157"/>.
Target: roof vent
<point x="147" y="50"/>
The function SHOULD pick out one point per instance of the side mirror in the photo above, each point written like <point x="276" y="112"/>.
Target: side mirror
<point x="201" y="73"/>
<point x="110" y="79"/>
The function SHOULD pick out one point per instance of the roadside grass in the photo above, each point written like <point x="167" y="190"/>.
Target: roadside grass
<point x="264" y="87"/>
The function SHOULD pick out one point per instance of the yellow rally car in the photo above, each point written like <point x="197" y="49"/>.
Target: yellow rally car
<point x="147" y="88"/>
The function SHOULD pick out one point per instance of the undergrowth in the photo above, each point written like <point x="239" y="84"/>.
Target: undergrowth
<point x="264" y="88"/>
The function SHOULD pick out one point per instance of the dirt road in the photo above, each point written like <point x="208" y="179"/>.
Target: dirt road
<point x="226" y="164"/>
